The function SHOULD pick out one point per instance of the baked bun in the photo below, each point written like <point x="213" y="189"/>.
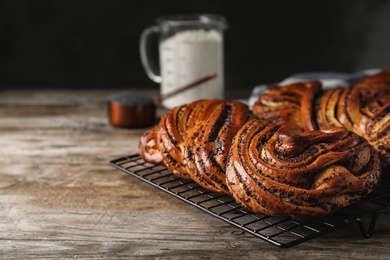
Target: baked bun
<point x="285" y="171"/>
<point x="363" y="108"/>
<point x="369" y="111"/>
<point x="290" y="104"/>
<point x="193" y="140"/>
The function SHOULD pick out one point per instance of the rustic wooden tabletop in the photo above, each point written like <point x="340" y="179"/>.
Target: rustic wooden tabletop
<point x="61" y="198"/>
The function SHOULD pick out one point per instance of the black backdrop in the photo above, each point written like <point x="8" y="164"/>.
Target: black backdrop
<point x="84" y="44"/>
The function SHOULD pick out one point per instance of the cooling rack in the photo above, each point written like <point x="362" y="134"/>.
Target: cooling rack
<point x="281" y="232"/>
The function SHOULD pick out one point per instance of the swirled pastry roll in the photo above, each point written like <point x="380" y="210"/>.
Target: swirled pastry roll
<point x="363" y="107"/>
<point x="193" y="140"/>
<point x="290" y="104"/>
<point x="175" y="127"/>
<point x="369" y="109"/>
<point x="208" y="144"/>
<point x="164" y="143"/>
<point x="285" y="171"/>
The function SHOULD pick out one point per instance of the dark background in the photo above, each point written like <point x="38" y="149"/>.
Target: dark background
<point x="84" y="44"/>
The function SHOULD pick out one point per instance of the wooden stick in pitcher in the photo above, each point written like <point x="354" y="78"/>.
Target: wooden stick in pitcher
<point x="193" y="84"/>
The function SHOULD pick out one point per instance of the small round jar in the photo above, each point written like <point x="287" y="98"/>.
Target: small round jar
<point x="129" y="109"/>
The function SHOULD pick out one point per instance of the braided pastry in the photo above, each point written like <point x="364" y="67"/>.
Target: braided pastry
<point x="174" y="129"/>
<point x="363" y="108"/>
<point x="289" y="104"/>
<point x="284" y="171"/>
<point x="193" y="140"/>
<point x="369" y="111"/>
<point x="315" y="152"/>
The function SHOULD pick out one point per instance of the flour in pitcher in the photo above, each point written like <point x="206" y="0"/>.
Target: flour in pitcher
<point x="188" y="56"/>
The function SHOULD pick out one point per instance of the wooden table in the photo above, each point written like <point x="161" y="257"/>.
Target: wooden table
<point x="61" y="198"/>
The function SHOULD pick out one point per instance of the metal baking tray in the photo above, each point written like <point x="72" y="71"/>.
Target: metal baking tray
<point x="281" y="232"/>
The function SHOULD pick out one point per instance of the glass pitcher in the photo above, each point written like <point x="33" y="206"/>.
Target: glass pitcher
<point x="190" y="47"/>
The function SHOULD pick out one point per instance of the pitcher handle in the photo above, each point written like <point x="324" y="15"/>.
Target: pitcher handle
<point x="149" y="65"/>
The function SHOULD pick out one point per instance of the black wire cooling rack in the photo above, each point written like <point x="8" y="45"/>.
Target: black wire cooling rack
<point x="281" y="232"/>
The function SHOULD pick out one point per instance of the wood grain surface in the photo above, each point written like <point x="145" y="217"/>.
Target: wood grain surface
<point x="60" y="198"/>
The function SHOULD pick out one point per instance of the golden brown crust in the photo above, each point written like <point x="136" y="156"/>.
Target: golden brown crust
<point x="208" y="145"/>
<point x="290" y="104"/>
<point x="149" y="148"/>
<point x="286" y="172"/>
<point x="308" y="104"/>
<point x="343" y="112"/>
<point x="281" y="104"/>
<point x="363" y="108"/>
<point x="326" y="109"/>
<point x="174" y="128"/>
<point x="371" y="103"/>
<point x="193" y="140"/>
